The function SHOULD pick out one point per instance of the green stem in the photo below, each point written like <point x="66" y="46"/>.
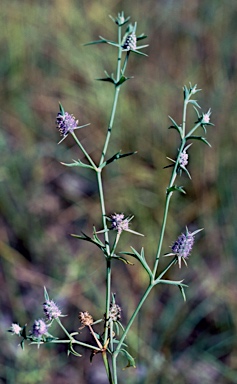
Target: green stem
<point x="184" y="118"/>
<point x="116" y="352"/>
<point x="193" y="130"/>
<point x="73" y="341"/>
<point x="84" y="151"/>
<point x="108" y="260"/>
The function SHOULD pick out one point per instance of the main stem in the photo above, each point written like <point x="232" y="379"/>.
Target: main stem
<point x="103" y="209"/>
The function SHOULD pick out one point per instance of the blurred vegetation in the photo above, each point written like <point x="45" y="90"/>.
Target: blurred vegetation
<point x="43" y="61"/>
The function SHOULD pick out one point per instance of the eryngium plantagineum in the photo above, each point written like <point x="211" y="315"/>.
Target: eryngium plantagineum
<point x="182" y="247"/>
<point x="66" y="123"/>
<point x="130" y="43"/>
<point x="39" y="328"/>
<point x="51" y="310"/>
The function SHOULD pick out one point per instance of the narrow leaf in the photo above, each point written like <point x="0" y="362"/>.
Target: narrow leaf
<point x="175" y="126"/>
<point x="201" y="138"/>
<point x="117" y="156"/>
<point x="182" y="292"/>
<point x="77" y="163"/>
<point x="194" y="102"/>
<point x="46" y="296"/>
<point x="131" y="361"/>
<point x="61" y="109"/>
<point x="107" y="79"/>
<point x="123" y="79"/>
<point x="175" y="188"/>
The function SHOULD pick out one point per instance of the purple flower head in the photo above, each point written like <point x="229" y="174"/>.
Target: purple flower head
<point x="120" y="223"/>
<point x="16" y="329"/>
<point x="130" y="42"/>
<point x="66" y="123"/>
<point x="39" y="328"/>
<point x="182" y="247"/>
<point x="183" y="159"/>
<point x="51" y="310"/>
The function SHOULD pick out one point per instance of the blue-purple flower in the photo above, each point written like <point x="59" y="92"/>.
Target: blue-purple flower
<point x="51" y="310"/>
<point x="40" y="328"/>
<point x="182" y="247"/>
<point x="66" y="123"/>
<point x="119" y="223"/>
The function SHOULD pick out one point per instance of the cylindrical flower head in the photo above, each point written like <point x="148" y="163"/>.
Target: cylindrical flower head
<point x="182" y="247"/>
<point x="51" y="310"/>
<point x="66" y="123"/>
<point x="130" y="42"/>
<point x="183" y="159"/>
<point x="39" y="328"/>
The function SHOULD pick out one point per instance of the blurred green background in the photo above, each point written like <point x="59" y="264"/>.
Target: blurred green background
<point x="43" y="61"/>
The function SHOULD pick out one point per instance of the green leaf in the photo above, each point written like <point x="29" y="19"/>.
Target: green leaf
<point x="175" y="126"/>
<point x="142" y="36"/>
<point x="98" y="243"/>
<point x="107" y="79"/>
<point x="72" y="351"/>
<point x="46" y="296"/>
<point x="140" y="257"/>
<point x="123" y="79"/>
<point x="117" y="156"/>
<point x="172" y="282"/>
<point x="175" y="188"/>
<point x="61" y="109"/>
<point x="182" y="292"/>
<point x="122" y="259"/>
<point x="200" y="138"/>
<point x="131" y="361"/>
<point x="194" y="102"/>
<point x="185" y="170"/>
<point x="138" y="52"/>
<point x="101" y="41"/>
<point x="77" y="163"/>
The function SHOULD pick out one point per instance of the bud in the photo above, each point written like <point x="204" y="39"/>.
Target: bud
<point x="85" y="318"/>
<point x="206" y="117"/>
<point x="130" y="42"/>
<point x="115" y="312"/>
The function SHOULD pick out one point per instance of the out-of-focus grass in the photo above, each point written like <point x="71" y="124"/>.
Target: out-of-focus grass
<point x="43" y="61"/>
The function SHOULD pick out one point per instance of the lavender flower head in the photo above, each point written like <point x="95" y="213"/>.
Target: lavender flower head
<point x="66" y="123"/>
<point x="182" y="247"/>
<point x="16" y="329"/>
<point x="39" y="328"/>
<point x="119" y="223"/>
<point x="51" y="310"/>
<point x="183" y="159"/>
